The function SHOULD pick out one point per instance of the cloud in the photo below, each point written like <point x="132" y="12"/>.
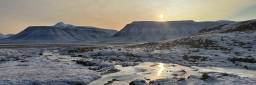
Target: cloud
<point x="206" y="9"/>
<point x="247" y="12"/>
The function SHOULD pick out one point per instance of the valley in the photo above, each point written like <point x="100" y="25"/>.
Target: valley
<point x="218" y="55"/>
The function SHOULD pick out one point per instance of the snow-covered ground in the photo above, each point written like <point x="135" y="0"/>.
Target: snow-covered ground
<point x="121" y="65"/>
<point x="46" y="69"/>
<point x="222" y="57"/>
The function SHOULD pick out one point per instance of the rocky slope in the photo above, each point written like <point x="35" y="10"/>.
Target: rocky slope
<point x="242" y="26"/>
<point x="155" y="31"/>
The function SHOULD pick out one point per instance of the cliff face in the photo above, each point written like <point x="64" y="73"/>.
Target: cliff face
<point x="155" y="31"/>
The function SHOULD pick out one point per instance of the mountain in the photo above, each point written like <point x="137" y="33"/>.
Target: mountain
<point x="60" y="33"/>
<point x="138" y="31"/>
<point x="154" y="31"/>
<point x="2" y="36"/>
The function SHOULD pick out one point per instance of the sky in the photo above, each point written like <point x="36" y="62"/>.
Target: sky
<point x="16" y="15"/>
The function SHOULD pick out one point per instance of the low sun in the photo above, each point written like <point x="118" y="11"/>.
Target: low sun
<point x="161" y="17"/>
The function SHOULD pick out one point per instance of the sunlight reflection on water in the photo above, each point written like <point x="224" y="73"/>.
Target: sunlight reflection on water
<point x="161" y="69"/>
<point x="156" y="70"/>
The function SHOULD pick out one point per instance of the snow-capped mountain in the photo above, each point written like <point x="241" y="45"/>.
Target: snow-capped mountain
<point x="156" y="31"/>
<point x="60" y="33"/>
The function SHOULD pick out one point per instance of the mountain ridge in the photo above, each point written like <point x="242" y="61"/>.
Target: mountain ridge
<point x="60" y="33"/>
<point x="137" y="31"/>
<point x="150" y="30"/>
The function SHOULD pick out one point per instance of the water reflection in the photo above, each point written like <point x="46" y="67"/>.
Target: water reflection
<point x="161" y="69"/>
<point x="153" y="71"/>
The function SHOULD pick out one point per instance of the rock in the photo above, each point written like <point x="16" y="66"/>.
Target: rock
<point x="138" y="82"/>
<point x="126" y="64"/>
<point x="205" y="76"/>
<point x="163" y="82"/>
<point x="87" y="63"/>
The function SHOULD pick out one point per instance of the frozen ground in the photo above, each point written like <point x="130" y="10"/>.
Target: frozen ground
<point x="46" y="69"/>
<point x="222" y="59"/>
<point x="112" y="66"/>
<point x="214" y="59"/>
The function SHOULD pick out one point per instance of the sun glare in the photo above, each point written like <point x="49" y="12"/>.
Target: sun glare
<point x="161" y="69"/>
<point x="161" y="17"/>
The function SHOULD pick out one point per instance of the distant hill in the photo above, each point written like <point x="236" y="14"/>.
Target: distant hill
<point x="60" y="33"/>
<point x="242" y="26"/>
<point x="151" y="31"/>
<point x="2" y="36"/>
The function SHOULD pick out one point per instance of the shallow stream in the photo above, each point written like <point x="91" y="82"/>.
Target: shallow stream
<point x="153" y="71"/>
